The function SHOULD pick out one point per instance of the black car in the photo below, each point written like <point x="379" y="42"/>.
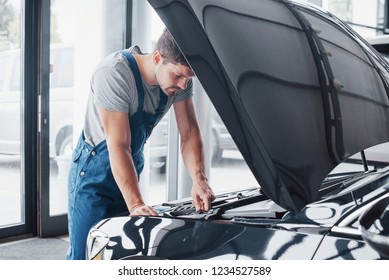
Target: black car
<point x="300" y="93"/>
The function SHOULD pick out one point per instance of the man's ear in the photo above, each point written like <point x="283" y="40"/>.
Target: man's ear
<point x="157" y="57"/>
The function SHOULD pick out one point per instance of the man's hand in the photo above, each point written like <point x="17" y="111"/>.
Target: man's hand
<point x="143" y="210"/>
<point x="202" y="196"/>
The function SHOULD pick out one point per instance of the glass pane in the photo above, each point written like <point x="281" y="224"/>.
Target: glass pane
<point x="153" y="177"/>
<point x="11" y="191"/>
<point x="76" y="46"/>
<point x="229" y="171"/>
<point x="157" y="163"/>
<point x="365" y="15"/>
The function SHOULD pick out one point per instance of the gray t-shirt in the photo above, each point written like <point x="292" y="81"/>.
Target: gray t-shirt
<point x="113" y="87"/>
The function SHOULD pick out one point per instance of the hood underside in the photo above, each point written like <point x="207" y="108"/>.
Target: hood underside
<point x="298" y="91"/>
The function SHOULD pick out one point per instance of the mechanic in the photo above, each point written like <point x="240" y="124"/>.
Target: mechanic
<point x="129" y="93"/>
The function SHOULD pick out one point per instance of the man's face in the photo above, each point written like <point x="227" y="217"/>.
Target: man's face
<point x="172" y="77"/>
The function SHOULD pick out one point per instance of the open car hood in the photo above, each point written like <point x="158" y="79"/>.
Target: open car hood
<point x="298" y="91"/>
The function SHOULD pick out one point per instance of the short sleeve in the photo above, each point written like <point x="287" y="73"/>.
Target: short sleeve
<point x="112" y="87"/>
<point x="185" y="94"/>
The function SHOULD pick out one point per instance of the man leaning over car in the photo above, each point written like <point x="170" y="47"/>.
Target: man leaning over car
<point x="130" y="92"/>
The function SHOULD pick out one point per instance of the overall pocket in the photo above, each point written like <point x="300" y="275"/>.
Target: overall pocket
<point x="73" y="169"/>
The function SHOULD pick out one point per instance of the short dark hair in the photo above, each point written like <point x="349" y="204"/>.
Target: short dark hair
<point x="169" y="50"/>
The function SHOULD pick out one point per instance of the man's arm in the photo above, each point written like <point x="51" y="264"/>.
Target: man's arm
<point x="118" y="137"/>
<point x="193" y="153"/>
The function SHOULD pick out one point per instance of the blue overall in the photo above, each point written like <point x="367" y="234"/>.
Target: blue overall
<point x="93" y="192"/>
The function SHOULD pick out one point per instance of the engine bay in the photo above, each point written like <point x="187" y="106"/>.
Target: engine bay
<point x="250" y="203"/>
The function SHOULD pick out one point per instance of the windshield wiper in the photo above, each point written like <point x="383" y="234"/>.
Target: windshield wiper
<point x="346" y="179"/>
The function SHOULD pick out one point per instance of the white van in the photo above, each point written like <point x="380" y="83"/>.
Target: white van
<point x="61" y="100"/>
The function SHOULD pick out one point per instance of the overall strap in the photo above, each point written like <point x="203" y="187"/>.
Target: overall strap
<point x="138" y="79"/>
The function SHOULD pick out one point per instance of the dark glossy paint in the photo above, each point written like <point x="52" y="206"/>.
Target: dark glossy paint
<point x="193" y="239"/>
<point x="338" y="248"/>
<point x="375" y="226"/>
<point x="327" y="229"/>
<point x="289" y="82"/>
